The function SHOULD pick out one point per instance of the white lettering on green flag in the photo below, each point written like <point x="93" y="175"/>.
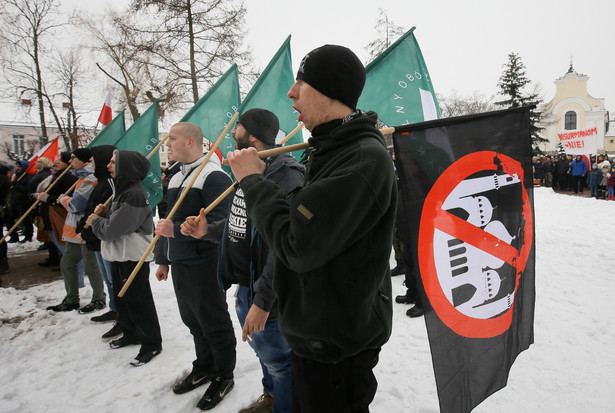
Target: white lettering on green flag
<point x="398" y="86"/>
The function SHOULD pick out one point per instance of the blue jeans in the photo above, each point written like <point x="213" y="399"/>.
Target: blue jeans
<point x="593" y="191"/>
<point x="105" y="271"/>
<point x="60" y="248"/>
<point x="273" y="353"/>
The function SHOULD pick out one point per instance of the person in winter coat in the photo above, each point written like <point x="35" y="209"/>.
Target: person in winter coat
<point x="4" y="191"/>
<point x="75" y="249"/>
<point x="246" y="260"/>
<point x="332" y="243"/>
<point x="611" y="184"/>
<point x="126" y="230"/>
<point x="54" y="214"/>
<point x="595" y="178"/>
<point x="578" y="170"/>
<point x="561" y="170"/>
<point x="539" y="169"/>
<point x="20" y="202"/>
<point x="201" y="301"/>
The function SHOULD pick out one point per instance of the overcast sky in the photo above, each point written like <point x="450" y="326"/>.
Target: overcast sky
<point x="465" y="43"/>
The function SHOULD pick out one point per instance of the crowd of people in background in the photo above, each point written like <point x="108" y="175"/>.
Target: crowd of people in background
<point x="575" y="174"/>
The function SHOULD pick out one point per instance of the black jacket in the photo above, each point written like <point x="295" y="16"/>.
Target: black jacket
<point x="211" y="182"/>
<point x="248" y="261"/>
<point x="332" y="246"/>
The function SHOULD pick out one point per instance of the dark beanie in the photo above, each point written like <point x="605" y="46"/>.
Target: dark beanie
<point x="262" y="124"/>
<point x="65" y="157"/>
<point x="335" y="71"/>
<point x="83" y="154"/>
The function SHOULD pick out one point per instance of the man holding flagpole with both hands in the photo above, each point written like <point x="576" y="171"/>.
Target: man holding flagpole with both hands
<point x="332" y="241"/>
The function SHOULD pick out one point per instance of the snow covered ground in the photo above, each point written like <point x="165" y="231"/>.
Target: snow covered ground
<point x="58" y="363"/>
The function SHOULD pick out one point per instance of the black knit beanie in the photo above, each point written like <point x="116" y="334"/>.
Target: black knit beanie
<point x="335" y="71"/>
<point x="65" y="157"/>
<point x="262" y="124"/>
<point x="83" y="154"/>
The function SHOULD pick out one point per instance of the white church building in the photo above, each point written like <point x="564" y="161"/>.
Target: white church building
<point x="574" y="120"/>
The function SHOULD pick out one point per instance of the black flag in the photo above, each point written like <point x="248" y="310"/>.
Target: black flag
<point x="467" y="194"/>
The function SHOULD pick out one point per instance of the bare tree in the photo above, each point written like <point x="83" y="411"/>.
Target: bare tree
<point x="69" y="73"/>
<point x="194" y="40"/>
<point x="26" y="25"/>
<point x="388" y="33"/>
<point x="123" y="61"/>
<point x="456" y="105"/>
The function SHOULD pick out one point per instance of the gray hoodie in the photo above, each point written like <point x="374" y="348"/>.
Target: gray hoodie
<point x="128" y="228"/>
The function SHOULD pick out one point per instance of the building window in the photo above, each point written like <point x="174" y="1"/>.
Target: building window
<point x="570" y="120"/>
<point x="18" y="145"/>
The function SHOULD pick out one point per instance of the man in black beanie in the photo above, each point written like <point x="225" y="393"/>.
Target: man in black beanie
<point x="332" y="241"/>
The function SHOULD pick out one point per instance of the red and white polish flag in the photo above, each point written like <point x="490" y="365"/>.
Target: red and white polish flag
<point x="106" y="114"/>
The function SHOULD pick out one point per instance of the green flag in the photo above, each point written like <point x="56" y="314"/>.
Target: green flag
<point x="110" y="134"/>
<point x="142" y="137"/>
<point x="270" y="92"/>
<point x="398" y="85"/>
<point x="214" y="110"/>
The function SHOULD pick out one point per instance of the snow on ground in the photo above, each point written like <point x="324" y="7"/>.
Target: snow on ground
<point x="58" y="363"/>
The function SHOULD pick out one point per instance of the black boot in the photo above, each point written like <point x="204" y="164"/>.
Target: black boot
<point x="405" y="299"/>
<point x="415" y="311"/>
<point x="399" y="269"/>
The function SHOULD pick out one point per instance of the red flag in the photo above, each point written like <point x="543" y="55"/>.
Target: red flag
<point x="106" y="114"/>
<point x="50" y="151"/>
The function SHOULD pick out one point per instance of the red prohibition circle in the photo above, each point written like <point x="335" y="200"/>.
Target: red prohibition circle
<point x="434" y="217"/>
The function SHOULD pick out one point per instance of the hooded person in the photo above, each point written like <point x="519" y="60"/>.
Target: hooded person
<point x="332" y="240"/>
<point x="101" y="156"/>
<point x="126" y="230"/>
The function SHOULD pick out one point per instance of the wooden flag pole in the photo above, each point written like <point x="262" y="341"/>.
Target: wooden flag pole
<point x="291" y="134"/>
<point x="176" y="206"/>
<point x="296" y="147"/>
<point x="35" y="204"/>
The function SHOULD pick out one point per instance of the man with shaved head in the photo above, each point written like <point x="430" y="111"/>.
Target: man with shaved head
<point x="201" y="301"/>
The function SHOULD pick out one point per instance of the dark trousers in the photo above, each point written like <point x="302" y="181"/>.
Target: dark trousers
<point x="578" y="182"/>
<point x="412" y="276"/>
<point x="137" y="314"/>
<point x="348" y="386"/>
<point x="203" y="309"/>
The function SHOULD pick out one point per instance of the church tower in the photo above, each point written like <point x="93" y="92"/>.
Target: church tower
<point x="574" y="113"/>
